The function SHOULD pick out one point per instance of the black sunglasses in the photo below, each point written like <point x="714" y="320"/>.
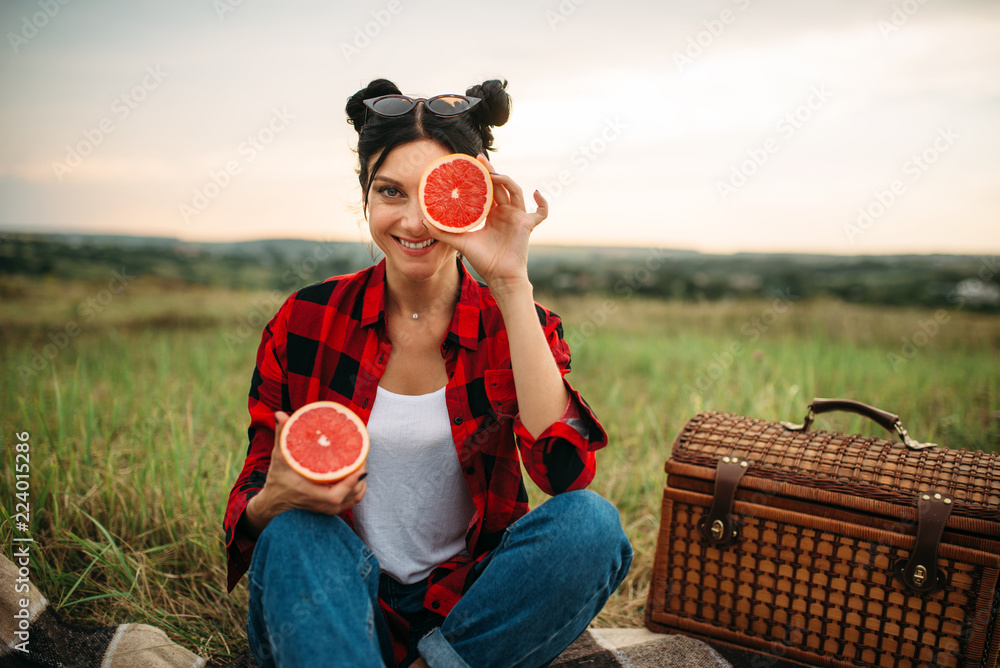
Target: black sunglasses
<point x="439" y="105"/>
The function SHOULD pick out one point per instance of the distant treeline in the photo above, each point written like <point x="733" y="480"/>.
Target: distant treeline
<point x="952" y="281"/>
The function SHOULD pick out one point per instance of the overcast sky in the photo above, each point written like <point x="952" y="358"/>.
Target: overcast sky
<point x="760" y="125"/>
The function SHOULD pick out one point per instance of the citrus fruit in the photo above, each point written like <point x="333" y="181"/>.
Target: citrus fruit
<point x="456" y="193"/>
<point x="324" y="441"/>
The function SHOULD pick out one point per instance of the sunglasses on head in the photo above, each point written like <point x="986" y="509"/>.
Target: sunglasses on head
<point x="439" y="105"/>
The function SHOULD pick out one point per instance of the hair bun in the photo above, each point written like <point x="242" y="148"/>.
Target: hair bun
<point x="494" y="110"/>
<point x="357" y="112"/>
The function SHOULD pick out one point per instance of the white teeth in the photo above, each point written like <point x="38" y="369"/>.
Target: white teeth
<point x="423" y="244"/>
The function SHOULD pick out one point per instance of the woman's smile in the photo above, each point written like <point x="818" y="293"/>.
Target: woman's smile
<point x="416" y="246"/>
<point x="395" y="218"/>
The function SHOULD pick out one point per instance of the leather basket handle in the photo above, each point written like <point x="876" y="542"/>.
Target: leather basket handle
<point x="884" y="419"/>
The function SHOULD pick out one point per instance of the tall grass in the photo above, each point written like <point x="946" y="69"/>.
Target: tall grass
<point x="653" y="365"/>
<point x="138" y="425"/>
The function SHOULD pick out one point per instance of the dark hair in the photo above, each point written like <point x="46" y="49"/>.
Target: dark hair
<point x="468" y="133"/>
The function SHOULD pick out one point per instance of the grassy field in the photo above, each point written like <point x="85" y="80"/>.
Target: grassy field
<point x="134" y="395"/>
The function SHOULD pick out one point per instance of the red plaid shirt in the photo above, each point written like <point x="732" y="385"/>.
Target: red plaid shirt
<point x="328" y="342"/>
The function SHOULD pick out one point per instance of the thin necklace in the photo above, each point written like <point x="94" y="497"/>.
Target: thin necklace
<point x="417" y="315"/>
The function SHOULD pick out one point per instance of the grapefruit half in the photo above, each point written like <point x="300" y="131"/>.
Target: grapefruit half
<point x="324" y="441"/>
<point x="456" y="193"/>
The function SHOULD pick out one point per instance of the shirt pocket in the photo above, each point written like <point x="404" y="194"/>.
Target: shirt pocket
<point x="501" y="393"/>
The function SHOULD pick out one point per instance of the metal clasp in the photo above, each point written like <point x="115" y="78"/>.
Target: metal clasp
<point x="910" y="443"/>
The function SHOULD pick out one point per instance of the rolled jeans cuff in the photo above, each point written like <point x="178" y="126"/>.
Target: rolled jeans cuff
<point x="438" y="653"/>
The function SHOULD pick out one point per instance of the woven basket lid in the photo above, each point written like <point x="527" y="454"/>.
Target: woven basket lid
<point x="846" y="463"/>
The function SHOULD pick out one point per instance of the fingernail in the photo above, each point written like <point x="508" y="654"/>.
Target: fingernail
<point x="362" y="476"/>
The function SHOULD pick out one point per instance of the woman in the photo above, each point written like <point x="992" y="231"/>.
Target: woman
<point x="433" y="558"/>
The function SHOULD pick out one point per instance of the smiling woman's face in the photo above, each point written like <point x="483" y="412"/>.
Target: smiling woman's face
<point x="394" y="216"/>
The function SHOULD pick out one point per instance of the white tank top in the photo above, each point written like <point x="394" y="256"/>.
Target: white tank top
<point x="417" y="507"/>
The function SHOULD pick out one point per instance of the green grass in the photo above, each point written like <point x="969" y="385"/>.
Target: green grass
<point x="138" y="424"/>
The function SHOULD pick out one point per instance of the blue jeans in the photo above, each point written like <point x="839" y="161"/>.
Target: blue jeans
<point x="314" y="587"/>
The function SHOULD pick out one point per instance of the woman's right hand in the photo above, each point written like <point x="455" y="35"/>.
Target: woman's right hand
<point x="284" y="489"/>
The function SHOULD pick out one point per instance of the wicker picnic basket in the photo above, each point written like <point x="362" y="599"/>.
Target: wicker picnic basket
<point x="826" y="548"/>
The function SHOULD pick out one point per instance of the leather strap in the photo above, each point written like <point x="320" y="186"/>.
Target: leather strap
<point x="920" y="572"/>
<point x="885" y="419"/>
<point x="719" y="526"/>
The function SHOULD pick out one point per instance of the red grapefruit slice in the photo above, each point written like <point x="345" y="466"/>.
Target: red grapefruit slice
<point x="456" y="193"/>
<point x="324" y="441"/>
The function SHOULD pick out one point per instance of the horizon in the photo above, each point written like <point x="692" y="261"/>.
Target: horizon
<point x="986" y="256"/>
<point x="843" y="127"/>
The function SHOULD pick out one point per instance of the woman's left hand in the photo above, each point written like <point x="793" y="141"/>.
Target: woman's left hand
<point x="499" y="250"/>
